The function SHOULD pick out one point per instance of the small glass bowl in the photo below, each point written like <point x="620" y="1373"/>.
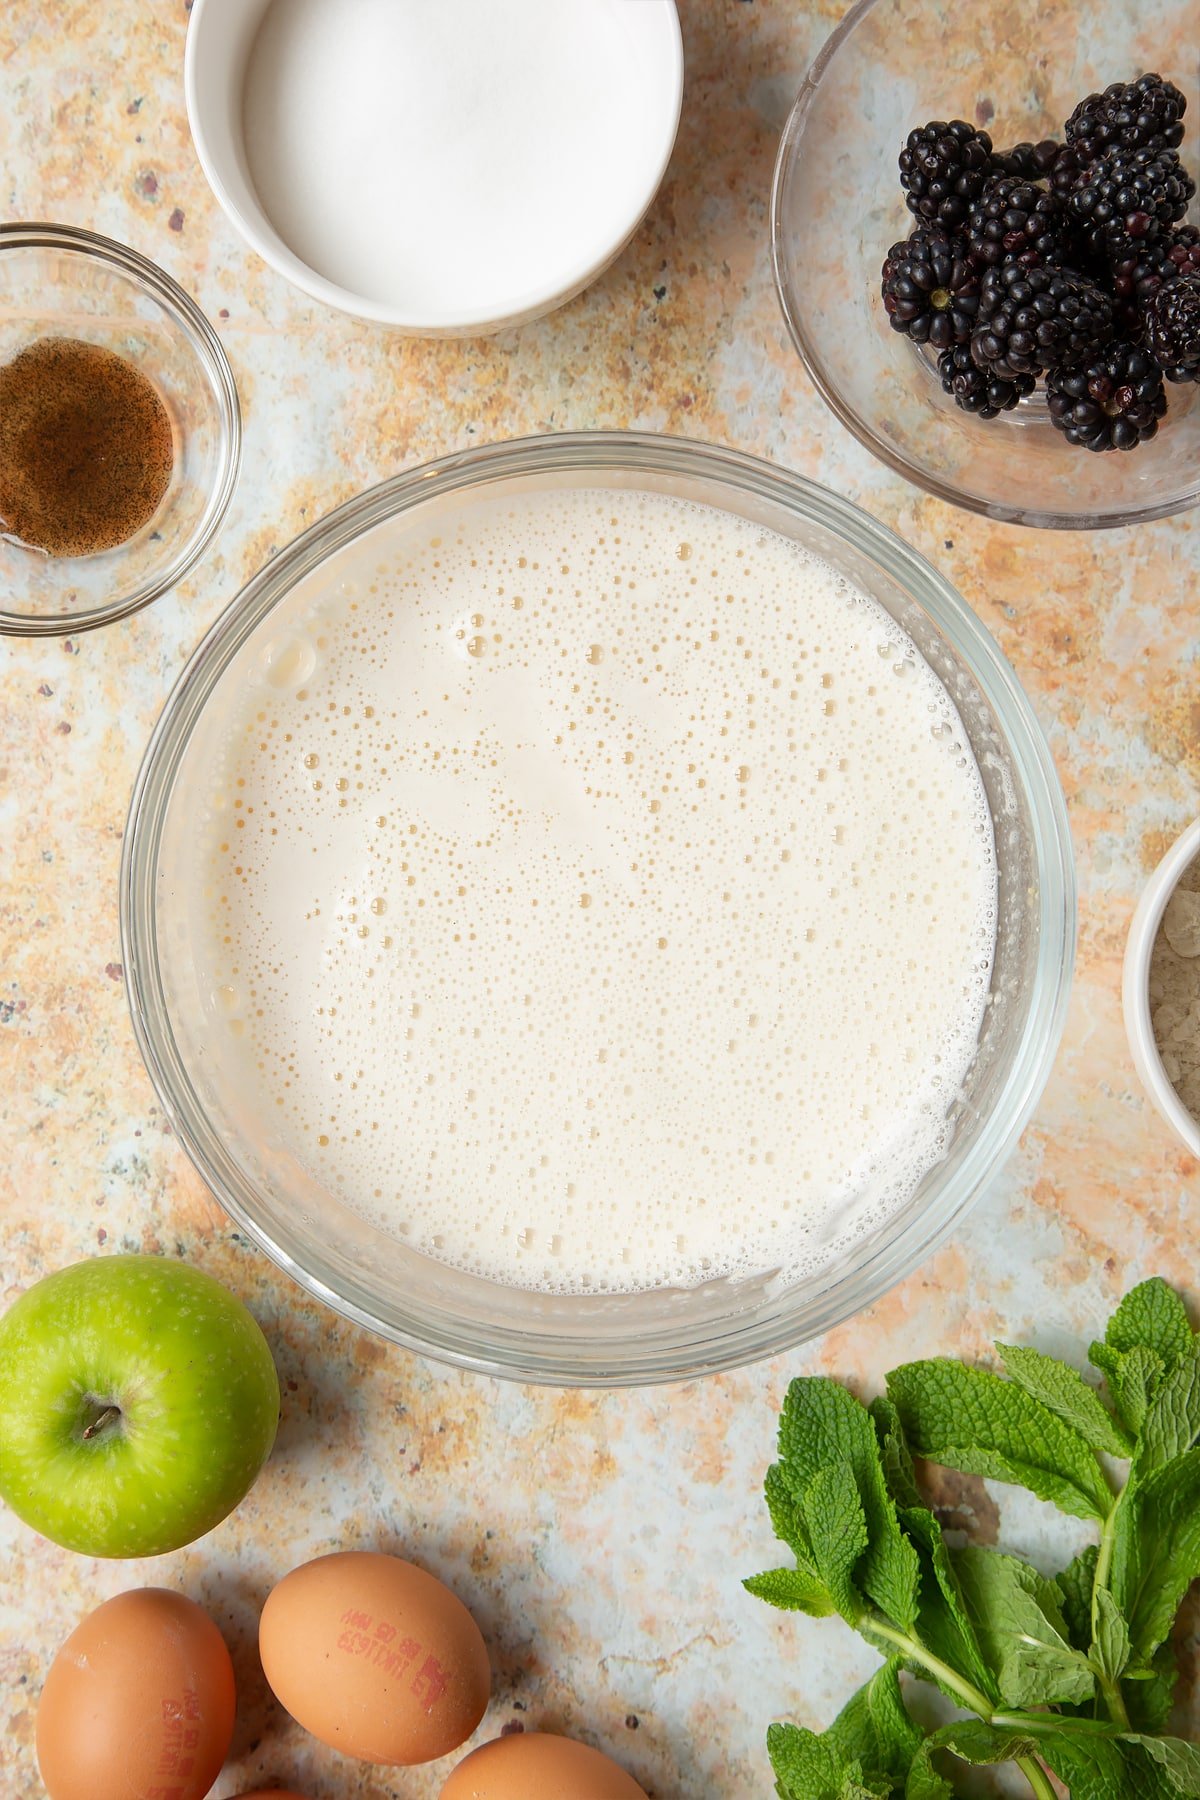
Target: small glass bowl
<point x="375" y="1278"/>
<point x="57" y="281"/>
<point x="837" y="207"/>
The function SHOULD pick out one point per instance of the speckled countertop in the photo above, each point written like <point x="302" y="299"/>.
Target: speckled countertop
<point x="597" y="1538"/>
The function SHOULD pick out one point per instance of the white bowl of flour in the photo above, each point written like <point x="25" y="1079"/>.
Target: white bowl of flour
<point x="445" y="168"/>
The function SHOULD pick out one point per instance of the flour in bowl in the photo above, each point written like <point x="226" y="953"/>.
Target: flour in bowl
<point x="453" y="157"/>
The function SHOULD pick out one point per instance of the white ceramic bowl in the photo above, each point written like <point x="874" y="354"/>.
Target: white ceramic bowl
<point x="220" y="42"/>
<point x="1136" y="986"/>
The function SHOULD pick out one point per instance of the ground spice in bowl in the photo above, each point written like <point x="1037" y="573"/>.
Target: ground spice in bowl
<point x="86" y="448"/>
<point x="1175" y="988"/>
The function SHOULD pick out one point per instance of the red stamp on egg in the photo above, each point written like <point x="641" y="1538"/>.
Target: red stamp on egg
<point x="378" y="1642"/>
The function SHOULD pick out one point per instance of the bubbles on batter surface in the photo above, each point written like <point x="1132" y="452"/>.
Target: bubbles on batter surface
<point x="607" y="894"/>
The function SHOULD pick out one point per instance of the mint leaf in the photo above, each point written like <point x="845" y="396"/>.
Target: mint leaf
<point x="1156" y="1554"/>
<point x="1133" y="1377"/>
<point x="1179" y="1760"/>
<point x="1092" y="1768"/>
<point x="1147" y="1339"/>
<point x="1019" y="1626"/>
<point x="822" y="1423"/>
<point x="890" y="1571"/>
<point x="1066" y="1394"/>
<point x="787" y="1517"/>
<point x="1110" y="1646"/>
<point x="792" y="1590"/>
<point x="1172" y="1422"/>
<point x="1075" y="1584"/>
<point x="1096" y="1761"/>
<point x="974" y="1741"/>
<point x="865" y="1753"/>
<point x="943" y="1621"/>
<point x="1152" y="1317"/>
<point x="1103" y="1768"/>
<point x="808" y="1767"/>
<point x="875" y="1728"/>
<point x="834" y="1516"/>
<point x="806" y="1592"/>
<point x="924" y="1782"/>
<point x="897" y="1458"/>
<point x="971" y="1741"/>
<point x="972" y="1420"/>
<point x="1149" y="1690"/>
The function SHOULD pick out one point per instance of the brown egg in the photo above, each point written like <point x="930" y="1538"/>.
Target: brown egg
<point x="138" y="1703"/>
<point x="533" y="1765"/>
<point x="375" y="1657"/>
<point x="271" y="1794"/>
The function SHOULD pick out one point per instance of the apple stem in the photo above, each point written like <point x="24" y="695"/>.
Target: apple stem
<point x="109" y="1416"/>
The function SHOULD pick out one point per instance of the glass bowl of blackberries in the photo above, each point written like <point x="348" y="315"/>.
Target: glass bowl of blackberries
<point x="986" y="242"/>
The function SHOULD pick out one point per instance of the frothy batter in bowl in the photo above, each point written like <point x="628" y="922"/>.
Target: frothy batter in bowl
<point x="600" y="893"/>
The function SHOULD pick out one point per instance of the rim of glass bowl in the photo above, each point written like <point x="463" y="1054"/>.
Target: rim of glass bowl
<point x="787" y="157"/>
<point x="676" y="1350"/>
<point x="187" y="316"/>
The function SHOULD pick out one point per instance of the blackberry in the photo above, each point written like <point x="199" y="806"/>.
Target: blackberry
<point x="943" y="167"/>
<point x="1110" y="402"/>
<point x="1015" y="218"/>
<point x="1033" y="161"/>
<point x="1066" y="171"/>
<point x="1173" y="328"/>
<point x="1139" y="275"/>
<point x="1130" y="115"/>
<point x="930" y="290"/>
<point x="980" y="391"/>
<point x="1030" y="318"/>
<point x="1130" y="197"/>
<point x="1182" y="250"/>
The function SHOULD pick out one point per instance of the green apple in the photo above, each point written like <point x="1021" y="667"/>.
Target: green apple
<point x="138" y="1401"/>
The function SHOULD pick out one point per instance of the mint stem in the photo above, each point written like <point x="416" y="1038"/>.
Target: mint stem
<point x="1048" y="1723"/>
<point x="1037" y="1778"/>
<point x="1108" y="1539"/>
<point x="1114" y="1700"/>
<point x="971" y="1696"/>
<point x="1110" y="1690"/>
<point x="915" y="1650"/>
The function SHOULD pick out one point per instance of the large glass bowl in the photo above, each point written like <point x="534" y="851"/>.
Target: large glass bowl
<point x="374" y="1278"/>
<point x="837" y="207"/>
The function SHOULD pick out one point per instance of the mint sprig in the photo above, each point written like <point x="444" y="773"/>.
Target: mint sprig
<point x="1073" y="1675"/>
